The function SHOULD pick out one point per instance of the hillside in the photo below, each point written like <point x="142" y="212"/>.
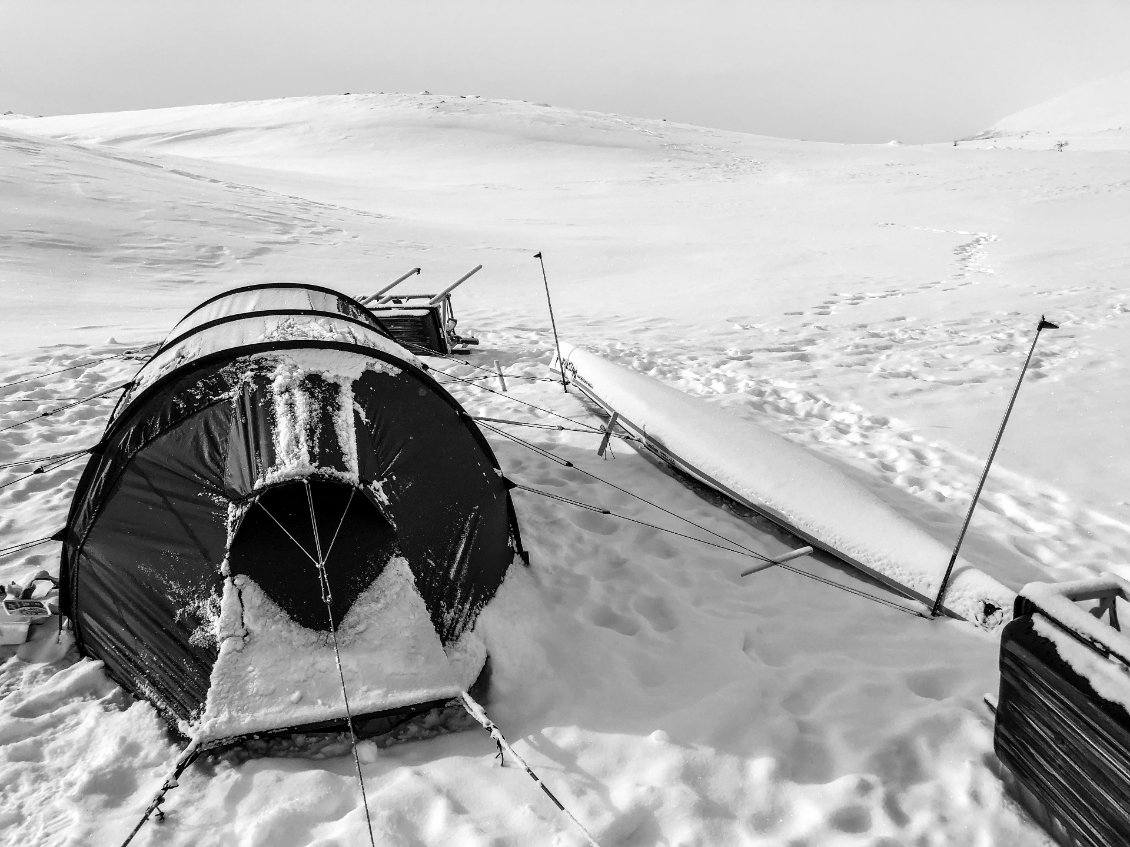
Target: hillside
<point x="1094" y="116"/>
<point x="871" y="303"/>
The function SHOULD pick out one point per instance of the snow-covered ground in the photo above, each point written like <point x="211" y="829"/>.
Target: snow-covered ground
<point x="871" y="303"/>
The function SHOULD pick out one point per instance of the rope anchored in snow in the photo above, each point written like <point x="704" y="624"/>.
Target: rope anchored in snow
<point x="734" y="546"/>
<point x="511" y="397"/>
<point x="66" y="458"/>
<point x="488" y="373"/>
<point x="121" y="355"/>
<point x="479" y="714"/>
<point x="27" y="545"/>
<point x="46" y="460"/>
<point x="602" y="511"/>
<point x="66" y="406"/>
<point x="327" y="598"/>
<point x="553" y="427"/>
<point x="736" y="549"/>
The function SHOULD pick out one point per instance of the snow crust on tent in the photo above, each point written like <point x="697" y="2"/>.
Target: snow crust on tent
<point x="281" y="317"/>
<point x="258" y="298"/>
<point x="190" y="558"/>
<point x="793" y="487"/>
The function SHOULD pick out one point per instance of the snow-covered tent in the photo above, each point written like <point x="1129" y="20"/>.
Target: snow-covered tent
<point x="277" y="427"/>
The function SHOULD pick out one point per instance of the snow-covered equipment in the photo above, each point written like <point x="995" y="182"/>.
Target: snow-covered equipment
<point x="26" y="604"/>
<point x="287" y="523"/>
<point x="422" y="322"/>
<point x="786" y="484"/>
<point x="1063" y="713"/>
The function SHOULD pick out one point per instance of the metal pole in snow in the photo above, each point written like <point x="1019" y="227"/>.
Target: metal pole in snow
<point x="1042" y="325"/>
<point x="552" y="322"/>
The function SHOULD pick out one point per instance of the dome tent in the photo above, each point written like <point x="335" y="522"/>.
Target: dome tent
<point x="279" y="435"/>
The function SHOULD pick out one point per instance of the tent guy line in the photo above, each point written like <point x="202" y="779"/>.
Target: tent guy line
<point x="46" y="468"/>
<point x="123" y="355"/>
<point x="474" y="384"/>
<point x="749" y="553"/>
<point x="736" y="547"/>
<point x="57" y="409"/>
<point x="327" y="600"/>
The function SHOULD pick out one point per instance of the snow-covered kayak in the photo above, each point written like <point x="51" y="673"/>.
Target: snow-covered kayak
<point x="787" y="484"/>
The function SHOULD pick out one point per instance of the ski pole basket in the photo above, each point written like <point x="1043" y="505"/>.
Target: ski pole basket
<point x="1063" y="714"/>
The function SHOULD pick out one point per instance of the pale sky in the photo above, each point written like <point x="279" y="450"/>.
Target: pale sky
<point x="835" y="70"/>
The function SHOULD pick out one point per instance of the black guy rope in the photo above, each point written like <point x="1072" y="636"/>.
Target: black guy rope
<point x="602" y="511"/>
<point x="45" y="459"/>
<point x="530" y="446"/>
<point x="42" y="469"/>
<point x="550" y="412"/>
<point x="26" y="545"/>
<point x="121" y="355"/>
<point x="734" y="548"/>
<point x="632" y="494"/>
<point x="479" y="714"/>
<point x="740" y="552"/>
<point x="34" y="399"/>
<point x="494" y="375"/>
<point x="488" y="373"/>
<point x="63" y="408"/>
<point x="327" y="598"/>
<point x="533" y="425"/>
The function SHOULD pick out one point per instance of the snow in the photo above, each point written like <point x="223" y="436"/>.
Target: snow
<point x="1108" y="678"/>
<point x="869" y="303"/>
<point x="1098" y="111"/>
<point x="791" y="484"/>
<point x="1057" y="600"/>
<point x="274" y="673"/>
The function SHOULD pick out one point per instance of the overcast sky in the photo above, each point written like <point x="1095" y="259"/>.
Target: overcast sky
<point x="838" y="70"/>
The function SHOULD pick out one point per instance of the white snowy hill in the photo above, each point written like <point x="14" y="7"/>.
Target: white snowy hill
<point x="872" y="303"/>
<point x="1094" y="116"/>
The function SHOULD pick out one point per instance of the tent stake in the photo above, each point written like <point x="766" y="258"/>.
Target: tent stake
<point x="786" y="557"/>
<point x="501" y="378"/>
<point x="479" y="714"/>
<point x="607" y="434"/>
<point x="1042" y="325"/>
<point x="186" y="758"/>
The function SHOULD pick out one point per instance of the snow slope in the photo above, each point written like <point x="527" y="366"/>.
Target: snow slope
<point x="870" y="303"/>
<point x="1092" y="116"/>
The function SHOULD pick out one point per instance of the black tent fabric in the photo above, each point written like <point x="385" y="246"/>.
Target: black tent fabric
<point x="277" y="429"/>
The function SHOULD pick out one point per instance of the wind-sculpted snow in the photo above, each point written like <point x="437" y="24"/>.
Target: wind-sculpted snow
<point x="870" y="303"/>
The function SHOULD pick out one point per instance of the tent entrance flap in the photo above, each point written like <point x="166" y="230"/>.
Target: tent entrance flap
<point x="277" y="547"/>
